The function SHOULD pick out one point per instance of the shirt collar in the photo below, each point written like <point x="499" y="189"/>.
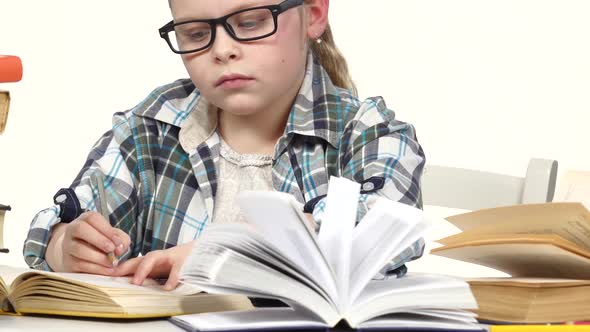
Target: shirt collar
<point x="316" y="112"/>
<point x="181" y="105"/>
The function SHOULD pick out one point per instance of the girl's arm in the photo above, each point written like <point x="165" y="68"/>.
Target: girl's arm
<point x="383" y="154"/>
<point x="113" y="155"/>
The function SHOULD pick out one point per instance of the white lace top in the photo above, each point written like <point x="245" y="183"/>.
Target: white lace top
<point x="239" y="172"/>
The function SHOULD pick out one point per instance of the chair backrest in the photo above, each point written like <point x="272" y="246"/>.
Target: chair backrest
<point x="472" y="190"/>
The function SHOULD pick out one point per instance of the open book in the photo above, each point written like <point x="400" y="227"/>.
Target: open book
<point x="325" y="279"/>
<point x="25" y="291"/>
<point x="547" y="240"/>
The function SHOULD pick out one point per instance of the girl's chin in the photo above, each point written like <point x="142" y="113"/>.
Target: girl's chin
<point x="242" y="107"/>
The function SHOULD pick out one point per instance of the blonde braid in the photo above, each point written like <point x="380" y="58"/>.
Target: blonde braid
<point x="332" y="60"/>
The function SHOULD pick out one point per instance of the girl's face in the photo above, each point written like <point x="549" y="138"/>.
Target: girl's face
<point x="248" y="77"/>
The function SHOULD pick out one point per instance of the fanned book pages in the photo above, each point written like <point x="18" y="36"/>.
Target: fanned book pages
<point x="25" y="291"/>
<point x="326" y="280"/>
<point x="547" y="240"/>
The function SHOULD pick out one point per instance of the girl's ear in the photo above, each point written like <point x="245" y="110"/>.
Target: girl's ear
<point x="317" y="11"/>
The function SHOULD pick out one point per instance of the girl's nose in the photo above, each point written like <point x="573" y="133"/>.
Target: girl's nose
<point x="224" y="47"/>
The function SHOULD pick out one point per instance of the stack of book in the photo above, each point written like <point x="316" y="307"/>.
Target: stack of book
<point x="546" y="250"/>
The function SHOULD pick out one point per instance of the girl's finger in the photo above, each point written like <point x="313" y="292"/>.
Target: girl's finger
<point x="119" y="238"/>
<point x="128" y="267"/>
<point x="79" y="265"/>
<point x="85" y="232"/>
<point x="122" y="241"/>
<point x="82" y="251"/>
<point x="145" y="267"/>
<point x="172" y="281"/>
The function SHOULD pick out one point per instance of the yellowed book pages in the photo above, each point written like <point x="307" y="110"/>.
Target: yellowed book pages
<point x="75" y="294"/>
<point x="531" y="300"/>
<point x="522" y="257"/>
<point x="470" y="239"/>
<point x="569" y="220"/>
<point x="4" y="107"/>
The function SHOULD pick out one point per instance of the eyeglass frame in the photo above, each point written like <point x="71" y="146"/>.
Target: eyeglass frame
<point x="275" y="10"/>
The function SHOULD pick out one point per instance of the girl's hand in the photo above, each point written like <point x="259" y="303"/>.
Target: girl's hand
<point x="311" y="224"/>
<point x="157" y="264"/>
<point x="83" y="244"/>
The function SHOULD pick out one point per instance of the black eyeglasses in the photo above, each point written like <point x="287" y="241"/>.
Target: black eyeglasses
<point x="244" y="25"/>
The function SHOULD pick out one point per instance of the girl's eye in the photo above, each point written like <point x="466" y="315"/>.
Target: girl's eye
<point x="249" y="24"/>
<point x="197" y="35"/>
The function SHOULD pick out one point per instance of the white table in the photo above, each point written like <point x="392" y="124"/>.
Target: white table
<point x="59" y="324"/>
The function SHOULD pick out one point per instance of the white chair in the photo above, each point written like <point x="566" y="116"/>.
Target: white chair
<point x="465" y="189"/>
<point x="472" y="190"/>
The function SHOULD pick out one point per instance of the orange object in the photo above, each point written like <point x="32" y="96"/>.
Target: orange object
<point x="11" y="68"/>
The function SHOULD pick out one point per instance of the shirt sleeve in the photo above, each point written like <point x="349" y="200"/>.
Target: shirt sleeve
<point x="114" y="156"/>
<point x="383" y="154"/>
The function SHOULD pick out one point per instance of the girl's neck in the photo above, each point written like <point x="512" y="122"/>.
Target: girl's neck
<point x="255" y="133"/>
<point x="258" y="133"/>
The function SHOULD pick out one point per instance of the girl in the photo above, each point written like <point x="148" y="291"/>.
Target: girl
<point x="269" y="106"/>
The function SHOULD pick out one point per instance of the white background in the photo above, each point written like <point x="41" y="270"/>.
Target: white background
<point x="488" y="84"/>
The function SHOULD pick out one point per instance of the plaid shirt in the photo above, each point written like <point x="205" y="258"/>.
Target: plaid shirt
<point x="159" y="161"/>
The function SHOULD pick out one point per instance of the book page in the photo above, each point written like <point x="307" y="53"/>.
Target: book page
<point x="9" y="273"/>
<point x="335" y="235"/>
<point x="245" y="240"/>
<point x="7" y="276"/>
<point x="524" y="259"/>
<point x="387" y="229"/>
<point x="412" y="292"/>
<point x="468" y="239"/>
<point x="275" y="217"/>
<point x="216" y="268"/>
<point x="530" y="282"/>
<point x="104" y="283"/>
<point x="568" y="220"/>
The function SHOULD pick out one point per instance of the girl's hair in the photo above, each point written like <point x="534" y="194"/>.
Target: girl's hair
<point x="332" y="60"/>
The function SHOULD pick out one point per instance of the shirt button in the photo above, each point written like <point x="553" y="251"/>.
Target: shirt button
<point x="60" y="199"/>
<point x="368" y="186"/>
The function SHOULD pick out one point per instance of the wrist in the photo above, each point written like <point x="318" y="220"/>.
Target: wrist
<point x="54" y="253"/>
